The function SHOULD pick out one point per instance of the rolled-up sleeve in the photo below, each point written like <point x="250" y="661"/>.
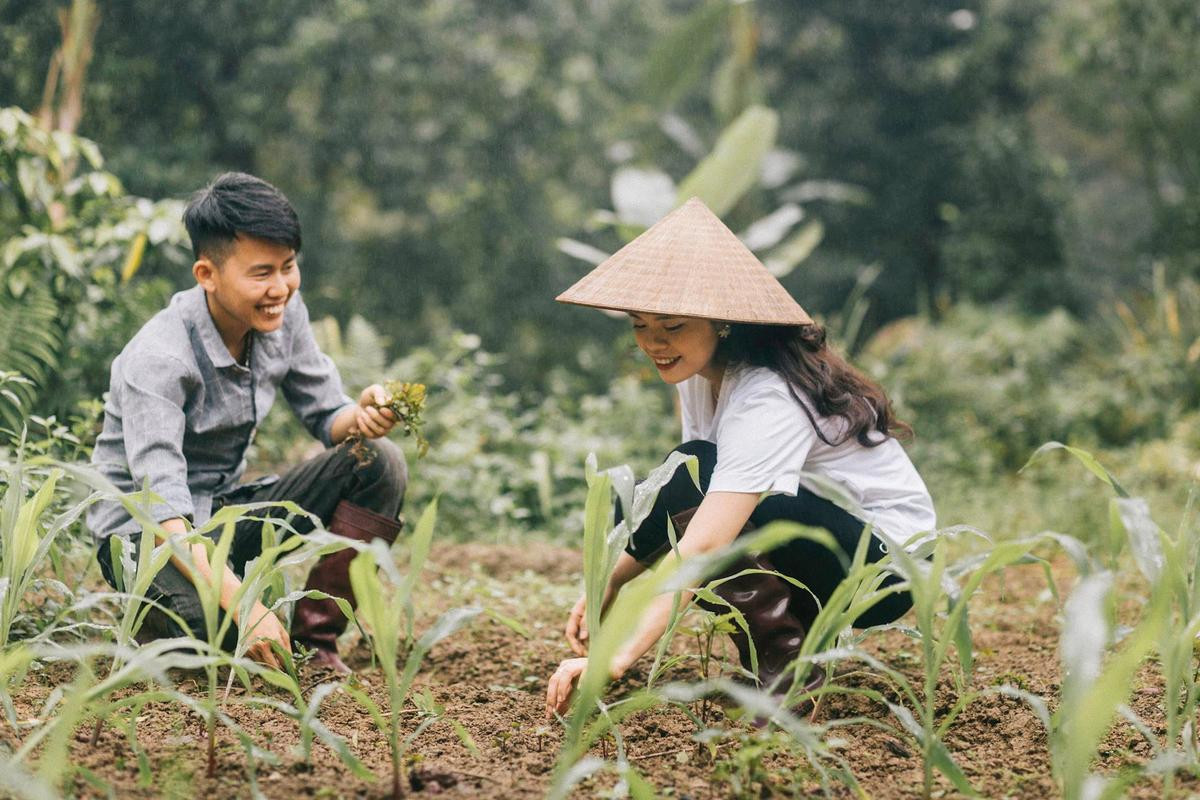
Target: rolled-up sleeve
<point x="312" y="386"/>
<point x="762" y="445"/>
<point x="152" y="403"/>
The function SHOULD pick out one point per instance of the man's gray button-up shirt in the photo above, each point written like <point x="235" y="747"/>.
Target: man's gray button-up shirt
<point x="181" y="412"/>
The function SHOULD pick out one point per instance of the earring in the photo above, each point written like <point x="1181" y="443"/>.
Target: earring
<point x="724" y="331"/>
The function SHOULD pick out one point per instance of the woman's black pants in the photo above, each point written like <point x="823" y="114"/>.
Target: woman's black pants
<point x="808" y="562"/>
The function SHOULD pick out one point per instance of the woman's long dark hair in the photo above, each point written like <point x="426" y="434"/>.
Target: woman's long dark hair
<point x="798" y="353"/>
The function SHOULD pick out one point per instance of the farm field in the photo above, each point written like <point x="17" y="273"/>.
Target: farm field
<point x="490" y="680"/>
<point x="989" y="209"/>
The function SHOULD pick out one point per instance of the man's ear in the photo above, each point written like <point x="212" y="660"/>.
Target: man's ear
<point x="205" y="271"/>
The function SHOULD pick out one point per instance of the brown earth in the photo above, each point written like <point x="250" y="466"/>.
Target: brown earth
<point x="490" y="680"/>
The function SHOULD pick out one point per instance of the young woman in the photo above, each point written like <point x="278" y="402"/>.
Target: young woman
<point x="763" y="402"/>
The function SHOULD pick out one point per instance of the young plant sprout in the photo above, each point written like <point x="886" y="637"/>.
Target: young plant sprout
<point x="407" y="402"/>
<point x="387" y="610"/>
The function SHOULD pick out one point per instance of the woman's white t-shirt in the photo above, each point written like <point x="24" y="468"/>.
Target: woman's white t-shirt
<point x="765" y="441"/>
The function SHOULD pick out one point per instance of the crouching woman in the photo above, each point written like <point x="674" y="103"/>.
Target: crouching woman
<point x="763" y="401"/>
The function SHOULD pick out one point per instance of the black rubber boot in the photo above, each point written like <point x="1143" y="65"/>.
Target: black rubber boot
<point x="765" y="602"/>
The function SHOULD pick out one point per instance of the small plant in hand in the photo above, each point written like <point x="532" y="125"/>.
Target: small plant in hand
<point x="406" y="401"/>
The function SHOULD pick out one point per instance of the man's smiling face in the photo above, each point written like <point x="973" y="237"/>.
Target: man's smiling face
<point x="250" y="287"/>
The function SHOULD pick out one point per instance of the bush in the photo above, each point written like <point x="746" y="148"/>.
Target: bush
<point x="983" y="388"/>
<point x="502" y="463"/>
<point x="72" y="244"/>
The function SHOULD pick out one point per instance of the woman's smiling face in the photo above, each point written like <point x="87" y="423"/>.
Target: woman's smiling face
<point x="680" y="347"/>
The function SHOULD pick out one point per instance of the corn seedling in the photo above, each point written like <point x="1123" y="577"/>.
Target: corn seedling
<point x="603" y="543"/>
<point x="812" y="742"/>
<point x="390" y="625"/>
<point x="670" y="575"/>
<point x="407" y="402"/>
<point x="91" y="694"/>
<point x="258" y="574"/>
<point x="931" y="583"/>
<point x="1171" y="567"/>
<point x="28" y="530"/>
<point x="1092" y="690"/>
<point x="602" y="546"/>
<point x="263" y="579"/>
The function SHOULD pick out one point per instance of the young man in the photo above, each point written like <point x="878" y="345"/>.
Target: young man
<point x="188" y="393"/>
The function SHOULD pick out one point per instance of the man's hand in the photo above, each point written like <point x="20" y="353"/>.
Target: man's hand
<point x="371" y="420"/>
<point x="264" y="628"/>
<point x="562" y="683"/>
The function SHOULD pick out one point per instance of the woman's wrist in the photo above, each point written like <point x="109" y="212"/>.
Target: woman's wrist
<point x="619" y="666"/>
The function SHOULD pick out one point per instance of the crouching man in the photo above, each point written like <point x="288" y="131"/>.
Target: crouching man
<point x="191" y="388"/>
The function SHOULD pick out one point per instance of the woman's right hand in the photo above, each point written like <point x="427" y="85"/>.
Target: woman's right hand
<point x="577" y="632"/>
<point x="265" y="628"/>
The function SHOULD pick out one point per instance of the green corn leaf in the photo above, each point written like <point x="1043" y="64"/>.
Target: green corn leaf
<point x="368" y="591"/>
<point x="639" y="787"/>
<point x="963" y="643"/>
<point x="623" y="484"/>
<point x="1145" y="537"/>
<point x="508" y="622"/>
<point x="733" y="166"/>
<point x="54" y="758"/>
<point x="1084" y="457"/>
<point x="26" y="538"/>
<point x="597" y="515"/>
<point x="1036" y="703"/>
<point x="938" y="754"/>
<point x="420" y="544"/>
<point x="16" y="781"/>
<point x="364" y="700"/>
<point x="464" y="736"/>
<point x="1092" y="690"/>
<point x="946" y="765"/>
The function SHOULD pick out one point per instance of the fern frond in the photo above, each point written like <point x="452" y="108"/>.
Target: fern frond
<point x="30" y="344"/>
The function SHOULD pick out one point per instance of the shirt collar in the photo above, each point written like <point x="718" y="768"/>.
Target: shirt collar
<point x="194" y="305"/>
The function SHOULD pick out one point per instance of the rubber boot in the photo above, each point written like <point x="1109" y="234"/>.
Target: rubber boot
<point x="316" y="624"/>
<point x="764" y="601"/>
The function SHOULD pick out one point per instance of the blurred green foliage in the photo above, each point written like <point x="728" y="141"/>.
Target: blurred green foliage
<point x="988" y="386"/>
<point x="73" y="243"/>
<point x="981" y="163"/>
<point x="1129" y="68"/>
<point x="501" y="463"/>
<point x="437" y="150"/>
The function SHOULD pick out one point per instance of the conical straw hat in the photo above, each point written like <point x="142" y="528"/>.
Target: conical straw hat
<point x="688" y="264"/>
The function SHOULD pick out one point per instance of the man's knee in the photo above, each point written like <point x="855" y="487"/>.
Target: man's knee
<point x="386" y="472"/>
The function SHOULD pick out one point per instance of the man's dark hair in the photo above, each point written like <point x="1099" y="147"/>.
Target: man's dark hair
<point x="237" y="204"/>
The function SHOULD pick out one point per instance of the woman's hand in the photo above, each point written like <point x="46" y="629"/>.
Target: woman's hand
<point x="562" y="683"/>
<point x="577" y="632"/>
<point x="265" y="628"/>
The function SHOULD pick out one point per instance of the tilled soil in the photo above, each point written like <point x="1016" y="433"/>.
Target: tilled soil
<point x="490" y="678"/>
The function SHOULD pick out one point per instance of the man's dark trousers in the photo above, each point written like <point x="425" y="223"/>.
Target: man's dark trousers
<point x="318" y="486"/>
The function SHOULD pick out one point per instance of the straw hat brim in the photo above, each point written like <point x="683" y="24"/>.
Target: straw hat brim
<point x="688" y="264"/>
